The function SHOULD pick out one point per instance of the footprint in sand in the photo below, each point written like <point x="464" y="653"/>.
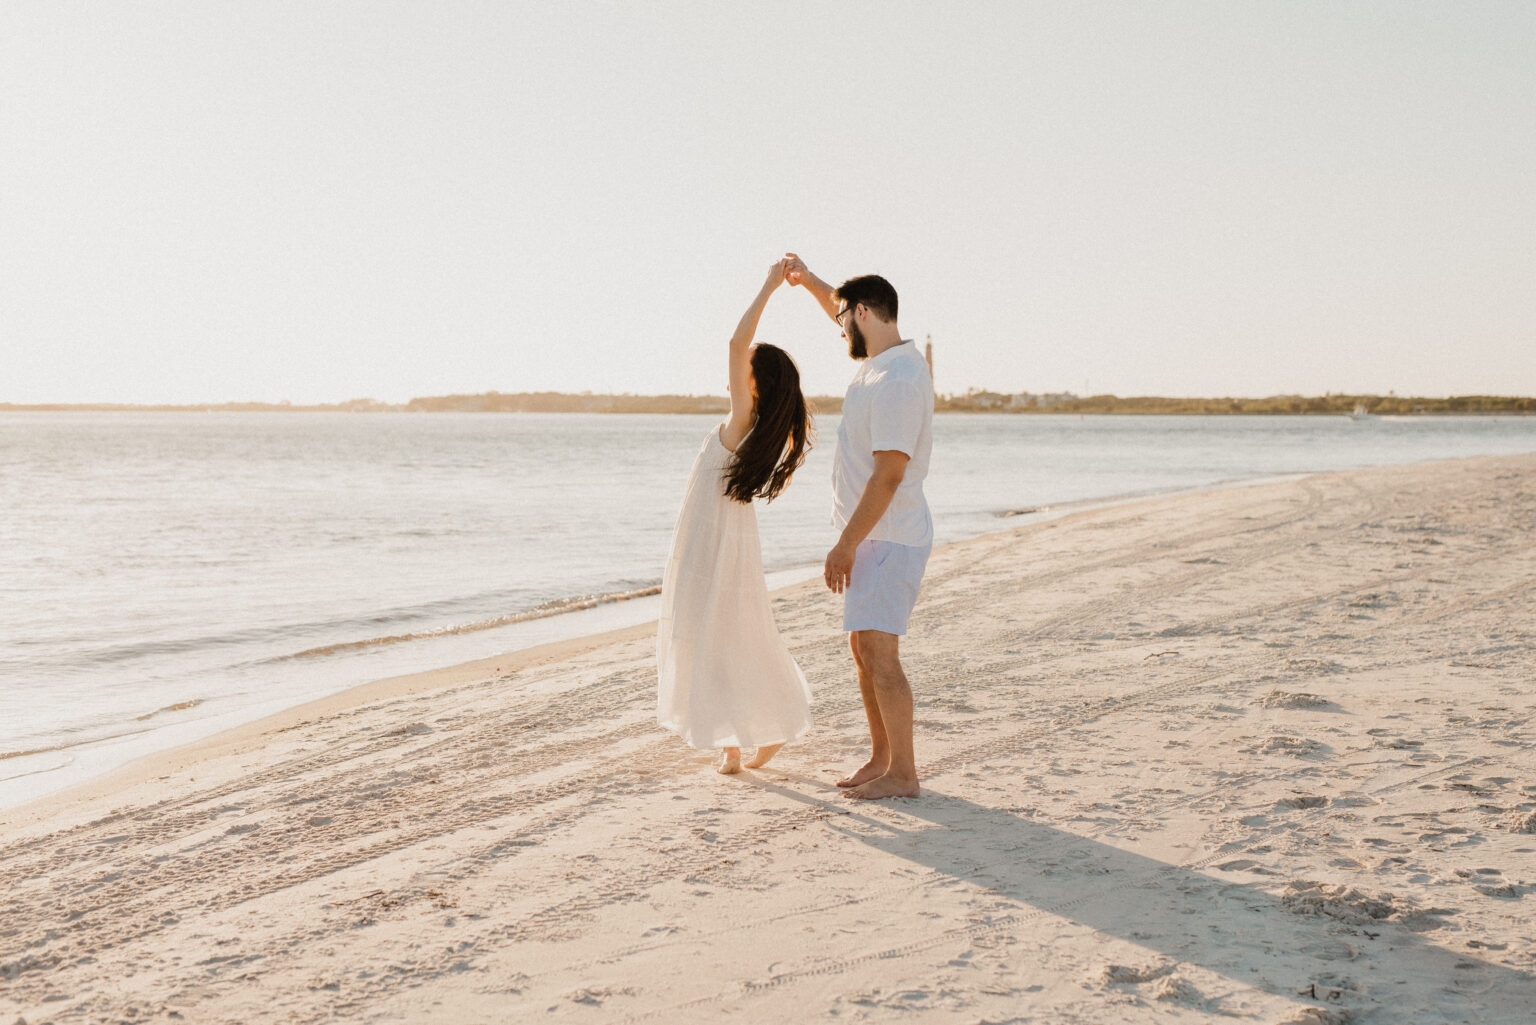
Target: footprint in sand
<point x="1178" y="990"/>
<point x="1519" y="822"/>
<point x="1167" y="984"/>
<point x="1301" y="801"/>
<point x="1296" y="747"/>
<point x="1354" y="906"/>
<point x="1316" y="666"/>
<point x="1283" y="699"/>
<point x="1115" y="974"/>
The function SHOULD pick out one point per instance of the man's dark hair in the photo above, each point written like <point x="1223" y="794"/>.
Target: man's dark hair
<point x="873" y="291"/>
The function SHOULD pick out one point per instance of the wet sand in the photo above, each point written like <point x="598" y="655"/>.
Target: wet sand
<point x="1261" y="754"/>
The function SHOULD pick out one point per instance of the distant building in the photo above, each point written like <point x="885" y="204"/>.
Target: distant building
<point x="985" y="399"/>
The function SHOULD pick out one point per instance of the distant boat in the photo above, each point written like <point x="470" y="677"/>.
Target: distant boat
<point x="1361" y="413"/>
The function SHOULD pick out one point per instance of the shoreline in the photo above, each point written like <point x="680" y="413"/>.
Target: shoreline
<point x="559" y="644"/>
<point x="1258" y="753"/>
<point x="118" y="698"/>
<point x="542" y="629"/>
<point x="177" y="754"/>
<point x="249" y="736"/>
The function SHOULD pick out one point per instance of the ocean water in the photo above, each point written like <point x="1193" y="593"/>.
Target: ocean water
<point x="167" y="575"/>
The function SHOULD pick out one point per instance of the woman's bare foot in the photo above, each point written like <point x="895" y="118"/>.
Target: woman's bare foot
<point x="872" y="769"/>
<point x="761" y="756"/>
<point x="884" y="786"/>
<point x="730" y="761"/>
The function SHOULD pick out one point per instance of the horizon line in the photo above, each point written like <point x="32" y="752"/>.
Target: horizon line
<point x="971" y="395"/>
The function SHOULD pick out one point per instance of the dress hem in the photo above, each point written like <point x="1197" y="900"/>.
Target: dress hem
<point x="739" y="743"/>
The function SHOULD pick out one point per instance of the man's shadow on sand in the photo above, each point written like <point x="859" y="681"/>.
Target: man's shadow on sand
<point x="1234" y="929"/>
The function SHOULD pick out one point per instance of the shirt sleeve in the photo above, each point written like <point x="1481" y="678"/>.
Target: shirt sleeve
<point x="896" y="417"/>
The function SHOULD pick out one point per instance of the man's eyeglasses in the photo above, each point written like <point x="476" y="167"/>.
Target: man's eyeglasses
<point x="842" y="312"/>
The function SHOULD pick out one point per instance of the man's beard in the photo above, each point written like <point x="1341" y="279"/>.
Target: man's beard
<point x="856" y="347"/>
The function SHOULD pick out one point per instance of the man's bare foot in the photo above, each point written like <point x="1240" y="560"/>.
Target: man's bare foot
<point x="730" y="761"/>
<point x="884" y="786"/>
<point x="761" y="756"/>
<point x="872" y="770"/>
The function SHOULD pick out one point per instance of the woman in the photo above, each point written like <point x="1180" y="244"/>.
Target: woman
<point x="724" y="677"/>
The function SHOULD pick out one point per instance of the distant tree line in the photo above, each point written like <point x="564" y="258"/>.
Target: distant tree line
<point x="560" y="402"/>
<point x="1330" y="404"/>
<point x="563" y="402"/>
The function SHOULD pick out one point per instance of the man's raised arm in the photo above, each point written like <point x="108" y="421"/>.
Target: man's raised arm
<point x="797" y="273"/>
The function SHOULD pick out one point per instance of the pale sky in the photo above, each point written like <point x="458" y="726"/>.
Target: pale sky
<point x="204" y="201"/>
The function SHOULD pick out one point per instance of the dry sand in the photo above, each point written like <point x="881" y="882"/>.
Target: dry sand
<point x="1261" y="754"/>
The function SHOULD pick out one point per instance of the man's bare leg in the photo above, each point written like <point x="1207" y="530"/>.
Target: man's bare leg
<point x="879" y="653"/>
<point x="761" y="755"/>
<point x="879" y="747"/>
<point x="730" y="761"/>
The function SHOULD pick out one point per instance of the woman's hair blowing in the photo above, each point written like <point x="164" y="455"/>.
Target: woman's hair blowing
<point x="781" y="430"/>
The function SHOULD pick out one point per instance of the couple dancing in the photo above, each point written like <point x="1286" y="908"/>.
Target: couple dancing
<point x="725" y="678"/>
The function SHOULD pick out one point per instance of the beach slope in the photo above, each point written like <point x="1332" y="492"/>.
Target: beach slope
<point x="1260" y="754"/>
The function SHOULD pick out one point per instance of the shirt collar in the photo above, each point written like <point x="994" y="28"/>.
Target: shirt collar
<point x="888" y="354"/>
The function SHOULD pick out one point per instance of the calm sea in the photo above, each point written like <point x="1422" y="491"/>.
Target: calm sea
<point x="167" y="575"/>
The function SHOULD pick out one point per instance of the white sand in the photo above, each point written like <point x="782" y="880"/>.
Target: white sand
<point x="1262" y="754"/>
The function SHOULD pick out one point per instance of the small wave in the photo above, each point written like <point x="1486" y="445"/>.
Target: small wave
<point x="93" y="734"/>
<point x="63" y="761"/>
<point x="177" y="707"/>
<point x="75" y="655"/>
<point x="96" y="738"/>
<point x="551" y="608"/>
<point x="22" y="754"/>
<point x="81" y="654"/>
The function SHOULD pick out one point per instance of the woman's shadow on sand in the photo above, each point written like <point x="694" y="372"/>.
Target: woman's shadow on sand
<point x="1349" y="953"/>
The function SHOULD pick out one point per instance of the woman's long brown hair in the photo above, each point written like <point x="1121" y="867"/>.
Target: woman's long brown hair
<point x="781" y="431"/>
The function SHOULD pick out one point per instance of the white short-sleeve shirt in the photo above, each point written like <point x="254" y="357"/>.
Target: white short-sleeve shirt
<point x="889" y="406"/>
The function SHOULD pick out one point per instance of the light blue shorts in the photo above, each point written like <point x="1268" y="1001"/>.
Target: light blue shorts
<point x="883" y="587"/>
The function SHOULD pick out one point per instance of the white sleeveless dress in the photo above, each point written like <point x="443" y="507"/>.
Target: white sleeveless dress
<point x="724" y="676"/>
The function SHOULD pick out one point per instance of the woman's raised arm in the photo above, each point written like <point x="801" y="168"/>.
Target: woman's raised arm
<point x="742" y="399"/>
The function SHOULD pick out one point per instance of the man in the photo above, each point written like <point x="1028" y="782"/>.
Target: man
<point x="883" y="447"/>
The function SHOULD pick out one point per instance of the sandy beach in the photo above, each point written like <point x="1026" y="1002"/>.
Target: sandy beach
<point x="1256" y="754"/>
